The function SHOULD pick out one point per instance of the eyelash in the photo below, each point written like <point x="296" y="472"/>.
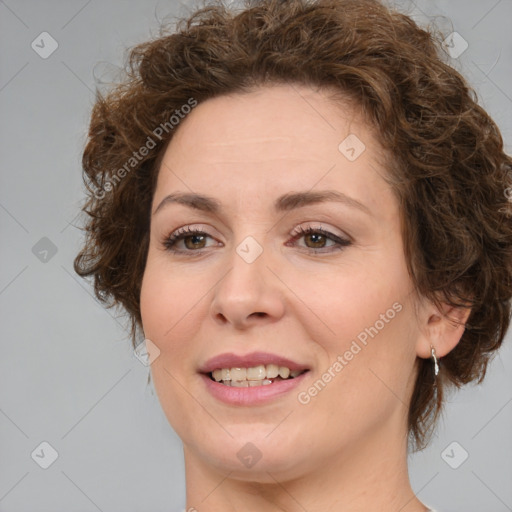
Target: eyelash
<point x="170" y="241"/>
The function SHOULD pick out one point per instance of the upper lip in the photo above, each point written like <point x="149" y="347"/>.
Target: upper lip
<point x="231" y="360"/>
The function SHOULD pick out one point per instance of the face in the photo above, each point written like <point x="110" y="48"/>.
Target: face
<point x="294" y="258"/>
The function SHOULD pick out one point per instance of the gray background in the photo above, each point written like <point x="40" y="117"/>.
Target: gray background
<point x="68" y="375"/>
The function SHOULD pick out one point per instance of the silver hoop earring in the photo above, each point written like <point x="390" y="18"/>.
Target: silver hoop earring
<point x="433" y="356"/>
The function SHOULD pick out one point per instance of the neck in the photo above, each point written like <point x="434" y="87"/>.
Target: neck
<point x="370" y="474"/>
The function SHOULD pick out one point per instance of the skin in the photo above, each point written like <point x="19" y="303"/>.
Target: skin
<point x="301" y="298"/>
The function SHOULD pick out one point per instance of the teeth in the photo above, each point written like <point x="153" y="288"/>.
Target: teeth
<point x="254" y="376"/>
<point x="272" y="371"/>
<point x="256" y="372"/>
<point x="238" y="374"/>
<point x="284" y="372"/>
<point x="247" y="383"/>
<point x="240" y="383"/>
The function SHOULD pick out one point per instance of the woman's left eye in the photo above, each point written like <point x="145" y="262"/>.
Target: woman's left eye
<point x="315" y="239"/>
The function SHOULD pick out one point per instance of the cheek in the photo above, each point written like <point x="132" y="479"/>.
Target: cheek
<point x="152" y="307"/>
<point x="173" y="310"/>
<point x="343" y="301"/>
<point x="167" y="298"/>
<point x="166" y="301"/>
<point x="361" y="312"/>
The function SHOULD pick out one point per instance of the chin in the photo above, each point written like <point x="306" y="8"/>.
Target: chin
<point x="254" y="458"/>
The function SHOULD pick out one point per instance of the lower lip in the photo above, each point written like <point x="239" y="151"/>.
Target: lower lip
<point x="253" y="395"/>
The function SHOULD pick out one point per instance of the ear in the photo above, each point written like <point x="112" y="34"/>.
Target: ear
<point x="441" y="329"/>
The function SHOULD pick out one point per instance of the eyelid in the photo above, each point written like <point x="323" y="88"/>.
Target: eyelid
<point x="178" y="234"/>
<point x="186" y="228"/>
<point x="313" y="225"/>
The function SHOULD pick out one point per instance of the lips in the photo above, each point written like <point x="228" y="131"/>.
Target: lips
<point x="254" y="396"/>
<point x="231" y="360"/>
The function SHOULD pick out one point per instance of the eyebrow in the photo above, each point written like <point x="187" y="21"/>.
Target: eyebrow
<point x="283" y="203"/>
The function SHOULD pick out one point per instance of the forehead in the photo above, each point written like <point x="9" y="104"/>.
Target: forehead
<point x="281" y="136"/>
<point x="277" y="117"/>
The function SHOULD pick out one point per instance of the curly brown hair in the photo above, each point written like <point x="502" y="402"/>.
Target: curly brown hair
<point x="450" y="173"/>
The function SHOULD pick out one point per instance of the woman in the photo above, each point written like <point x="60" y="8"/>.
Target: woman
<point x="305" y="213"/>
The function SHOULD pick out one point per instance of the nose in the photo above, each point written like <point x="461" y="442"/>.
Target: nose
<point x="248" y="294"/>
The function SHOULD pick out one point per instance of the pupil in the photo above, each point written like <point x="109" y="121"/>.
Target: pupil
<point x="192" y="241"/>
<point x="317" y="239"/>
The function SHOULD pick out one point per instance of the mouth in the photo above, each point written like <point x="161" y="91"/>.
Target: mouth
<point x="251" y="379"/>
<point x="262" y="368"/>
<point x="257" y="388"/>
<point x="260" y="375"/>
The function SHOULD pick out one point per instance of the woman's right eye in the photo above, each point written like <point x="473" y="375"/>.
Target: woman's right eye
<point x="192" y="239"/>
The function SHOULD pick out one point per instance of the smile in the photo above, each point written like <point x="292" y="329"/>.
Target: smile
<point x="261" y="375"/>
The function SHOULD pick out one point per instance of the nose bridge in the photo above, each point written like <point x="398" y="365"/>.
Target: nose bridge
<point x="248" y="290"/>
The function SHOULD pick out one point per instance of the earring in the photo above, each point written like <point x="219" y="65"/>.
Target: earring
<point x="433" y="356"/>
